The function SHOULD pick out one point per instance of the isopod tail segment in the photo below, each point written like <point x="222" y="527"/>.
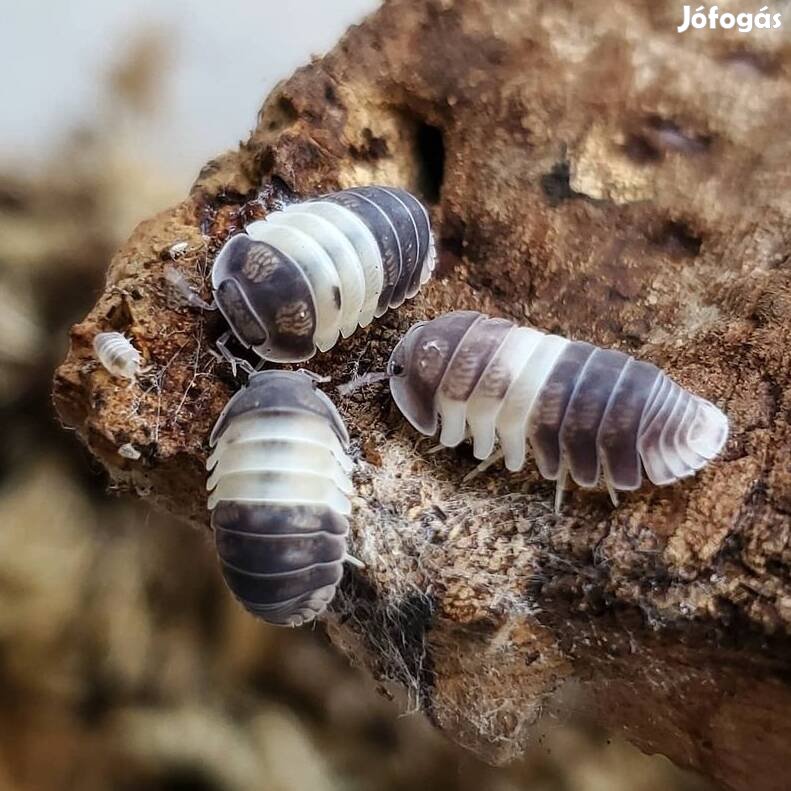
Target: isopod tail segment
<point x="586" y="413"/>
<point x="279" y="490"/>
<point x="295" y="282"/>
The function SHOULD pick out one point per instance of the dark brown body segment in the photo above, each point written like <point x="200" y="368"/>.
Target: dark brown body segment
<point x="251" y="519"/>
<point x="473" y="354"/>
<point x="420" y="219"/>
<point x="620" y="426"/>
<point x="405" y="232"/>
<point x="277" y="554"/>
<point x="266" y="589"/>
<point x="383" y="232"/>
<point x="280" y="391"/>
<point x="584" y="413"/>
<point x="549" y="412"/>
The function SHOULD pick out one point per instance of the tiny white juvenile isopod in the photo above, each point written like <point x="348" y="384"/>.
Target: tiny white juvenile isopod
<point x="178" y="249"/>
<point x="116" y="353"/>
<point x="297" y="280"/>
<point x="586" y="412"/>
<point x="129" y="451"/>
<point x="279" y="496"/>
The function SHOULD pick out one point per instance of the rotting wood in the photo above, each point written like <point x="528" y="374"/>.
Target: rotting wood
<point x="596" y="174"/>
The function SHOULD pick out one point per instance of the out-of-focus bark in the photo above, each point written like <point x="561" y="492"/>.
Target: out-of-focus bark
<point x="594" y="173"/>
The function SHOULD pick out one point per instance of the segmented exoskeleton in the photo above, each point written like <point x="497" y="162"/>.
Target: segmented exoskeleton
<point x="585" y="411"/>
<point x="296" y="280"/>
<point x="116" y="353"/>
<point x="279" y="496"/>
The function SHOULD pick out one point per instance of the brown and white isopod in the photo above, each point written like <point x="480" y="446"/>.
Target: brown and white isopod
<point x="298" y="279"/>
<point x="585" y="411"/>
<point x="279" y="496"/>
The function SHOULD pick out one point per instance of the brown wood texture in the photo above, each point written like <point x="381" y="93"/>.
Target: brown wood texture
<point x="590" y="172"/>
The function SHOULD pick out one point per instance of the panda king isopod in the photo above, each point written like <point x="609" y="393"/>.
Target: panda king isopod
<point x="584" y="412"/>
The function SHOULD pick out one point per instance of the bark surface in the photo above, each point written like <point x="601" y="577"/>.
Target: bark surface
<point x="590" y="172"/>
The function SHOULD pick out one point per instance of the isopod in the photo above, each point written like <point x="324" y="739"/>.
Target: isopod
<point x="129" y="451"/>
<point x="279" y="496"/>
<point x="178" y="249"/>
<point x="116" y="353"/>
<point x="585" y="411"/>
<point x="315" y="270"/>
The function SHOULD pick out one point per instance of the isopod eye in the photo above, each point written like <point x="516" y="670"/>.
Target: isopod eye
<point x="408" y="389"/>
<point x="397" y="364"/>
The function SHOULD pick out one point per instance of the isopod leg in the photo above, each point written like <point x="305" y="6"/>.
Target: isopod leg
<point x="608" y="483"/>
<point x="437" y="448"/>
<point x="229" y="357"/>
<point x="318" y="378"/>
<point x="185" y="291"/>
<point x="611" y="490"/>
<point x="353" y="561"/>
<point x="560" y="486"/>
<point x="483" y="466"/>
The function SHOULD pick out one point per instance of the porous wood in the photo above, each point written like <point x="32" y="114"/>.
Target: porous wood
<point x="590" y="172"/>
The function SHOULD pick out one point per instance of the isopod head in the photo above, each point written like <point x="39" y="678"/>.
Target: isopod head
<point x="282" y="325"/>
<point x="418" y="362"/>
<point x="284" y="390"/>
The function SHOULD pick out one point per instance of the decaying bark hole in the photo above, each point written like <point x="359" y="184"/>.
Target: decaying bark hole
<point x="596" y="174"/>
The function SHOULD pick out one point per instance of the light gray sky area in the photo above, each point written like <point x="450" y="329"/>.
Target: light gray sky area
<point x="214" y="62"/>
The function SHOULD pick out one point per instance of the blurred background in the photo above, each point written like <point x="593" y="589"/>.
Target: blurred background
<point x="124" y="664"/>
